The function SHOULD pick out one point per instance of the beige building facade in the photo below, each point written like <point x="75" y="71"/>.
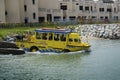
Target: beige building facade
<point x="2" y="12"/>
<point x="34" y="11"/>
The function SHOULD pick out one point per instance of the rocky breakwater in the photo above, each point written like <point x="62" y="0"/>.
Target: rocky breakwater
<point x="107" y="31"/>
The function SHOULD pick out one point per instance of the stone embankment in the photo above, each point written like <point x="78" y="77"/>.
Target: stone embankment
<point x="107" y="31"/>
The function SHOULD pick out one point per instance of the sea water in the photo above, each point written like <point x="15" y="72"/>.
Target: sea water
<point x="102" y="63"/>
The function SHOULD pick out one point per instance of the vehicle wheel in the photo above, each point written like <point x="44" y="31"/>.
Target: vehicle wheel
<point x="66" y="50"/>
<point x="34" y="49"/>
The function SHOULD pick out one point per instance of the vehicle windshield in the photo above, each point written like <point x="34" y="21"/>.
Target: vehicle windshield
<point x="75" y="40"/>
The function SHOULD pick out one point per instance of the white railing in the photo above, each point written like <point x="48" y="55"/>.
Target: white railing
<point x="50" y="10"/>
<point x="42" y="9"/>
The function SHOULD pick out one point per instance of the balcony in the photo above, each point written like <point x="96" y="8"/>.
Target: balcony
<point x="50" y="10"/>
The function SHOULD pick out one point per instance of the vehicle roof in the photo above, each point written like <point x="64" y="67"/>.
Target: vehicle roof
<point x="63" y="31"/>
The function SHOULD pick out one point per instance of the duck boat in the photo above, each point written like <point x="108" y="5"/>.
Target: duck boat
<point x="52" y="40"/>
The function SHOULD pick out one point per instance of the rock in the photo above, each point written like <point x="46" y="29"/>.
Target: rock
<point x="107" y="31"/>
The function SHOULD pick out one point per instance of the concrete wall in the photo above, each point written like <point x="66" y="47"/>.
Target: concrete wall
<point x="2" y="12"/>
<point x="22" y="12"/>
<point x="31" y="9"/>
<point x="13" y="11"/>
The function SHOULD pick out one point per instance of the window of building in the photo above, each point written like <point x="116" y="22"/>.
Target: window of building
<point x="81" y="7"/>
<point x="49" y="17"/>
<point x="84" y="17"/>
<point x="101" y="17"/>
<point x="101" y="9"/>
<point x="25" y="7"/>
<point x="108" y="1"/>
<point x="63" y="7"/>
<point x="109" y="10"/>
<point x="57" y="18"/>
<point x="91" y="8"/>
<point x="115" y="17"/>
<point x="73" y="0"/>
<point x="66" y="0"/>
<point x="106" y="17"/>
<point x="6" y="13"/>
<point x="33" y="1"/>
<point x="64" y="18"/>
<point x="26" y="20"/>
<point x="87" y="8"/>
<point x="114" y="9"/>
<point x="72" y="17"/>
<point x="77" y="3"/>
<point x="94" y="17"/>
<point x="34" y="16"/>
<point x="41" y="19"/>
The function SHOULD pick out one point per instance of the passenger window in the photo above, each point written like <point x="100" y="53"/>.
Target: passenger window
<point x="76" y="40"/>
<point x="44" y="36"/>
<point x="56" y="37"/>
<point x="50" y="36"/>
<point x="63" y="37"/>
<point x="70" y="40"/>
<point x="38" y="35"/>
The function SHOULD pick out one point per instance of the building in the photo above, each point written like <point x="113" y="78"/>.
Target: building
<point x="34" y="11"/>
<point x="2" y="12"/>
<point x="18" y="11"/>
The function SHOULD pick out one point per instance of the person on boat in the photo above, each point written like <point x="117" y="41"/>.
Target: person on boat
<point x="20" y="37"/>
<point x="32" y="37"/>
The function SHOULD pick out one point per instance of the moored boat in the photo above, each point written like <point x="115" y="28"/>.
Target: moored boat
<point x="10" y="48"/>
<point x="7" y="51"/>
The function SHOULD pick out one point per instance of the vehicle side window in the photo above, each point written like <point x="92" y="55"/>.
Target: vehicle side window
<point x="50" y="36"/>
<point x="76" y="40"/>
<point x="44" y="36"/>
<point x="63" y="37"/>
<point x="56" y="37"/>
<point x="70" y="40"/>
<point x="38" y="35"/>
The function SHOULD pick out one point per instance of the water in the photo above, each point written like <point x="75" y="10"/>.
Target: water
<point x="102" y="63"/>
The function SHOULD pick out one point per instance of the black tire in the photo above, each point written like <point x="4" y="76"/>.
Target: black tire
<point x="8" y="45"/>
<point x="66" y="50"/>
<point x="33" y="49"/>
<point x="7" y="51"/>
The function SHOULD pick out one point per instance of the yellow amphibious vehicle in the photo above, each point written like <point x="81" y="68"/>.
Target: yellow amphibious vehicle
<point x="52" y="40"/>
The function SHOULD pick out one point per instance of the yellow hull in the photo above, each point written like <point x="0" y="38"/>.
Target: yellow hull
<point x="43" y="48"/>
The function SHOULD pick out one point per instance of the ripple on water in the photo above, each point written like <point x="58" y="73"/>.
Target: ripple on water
<point x="102" y="63"/>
